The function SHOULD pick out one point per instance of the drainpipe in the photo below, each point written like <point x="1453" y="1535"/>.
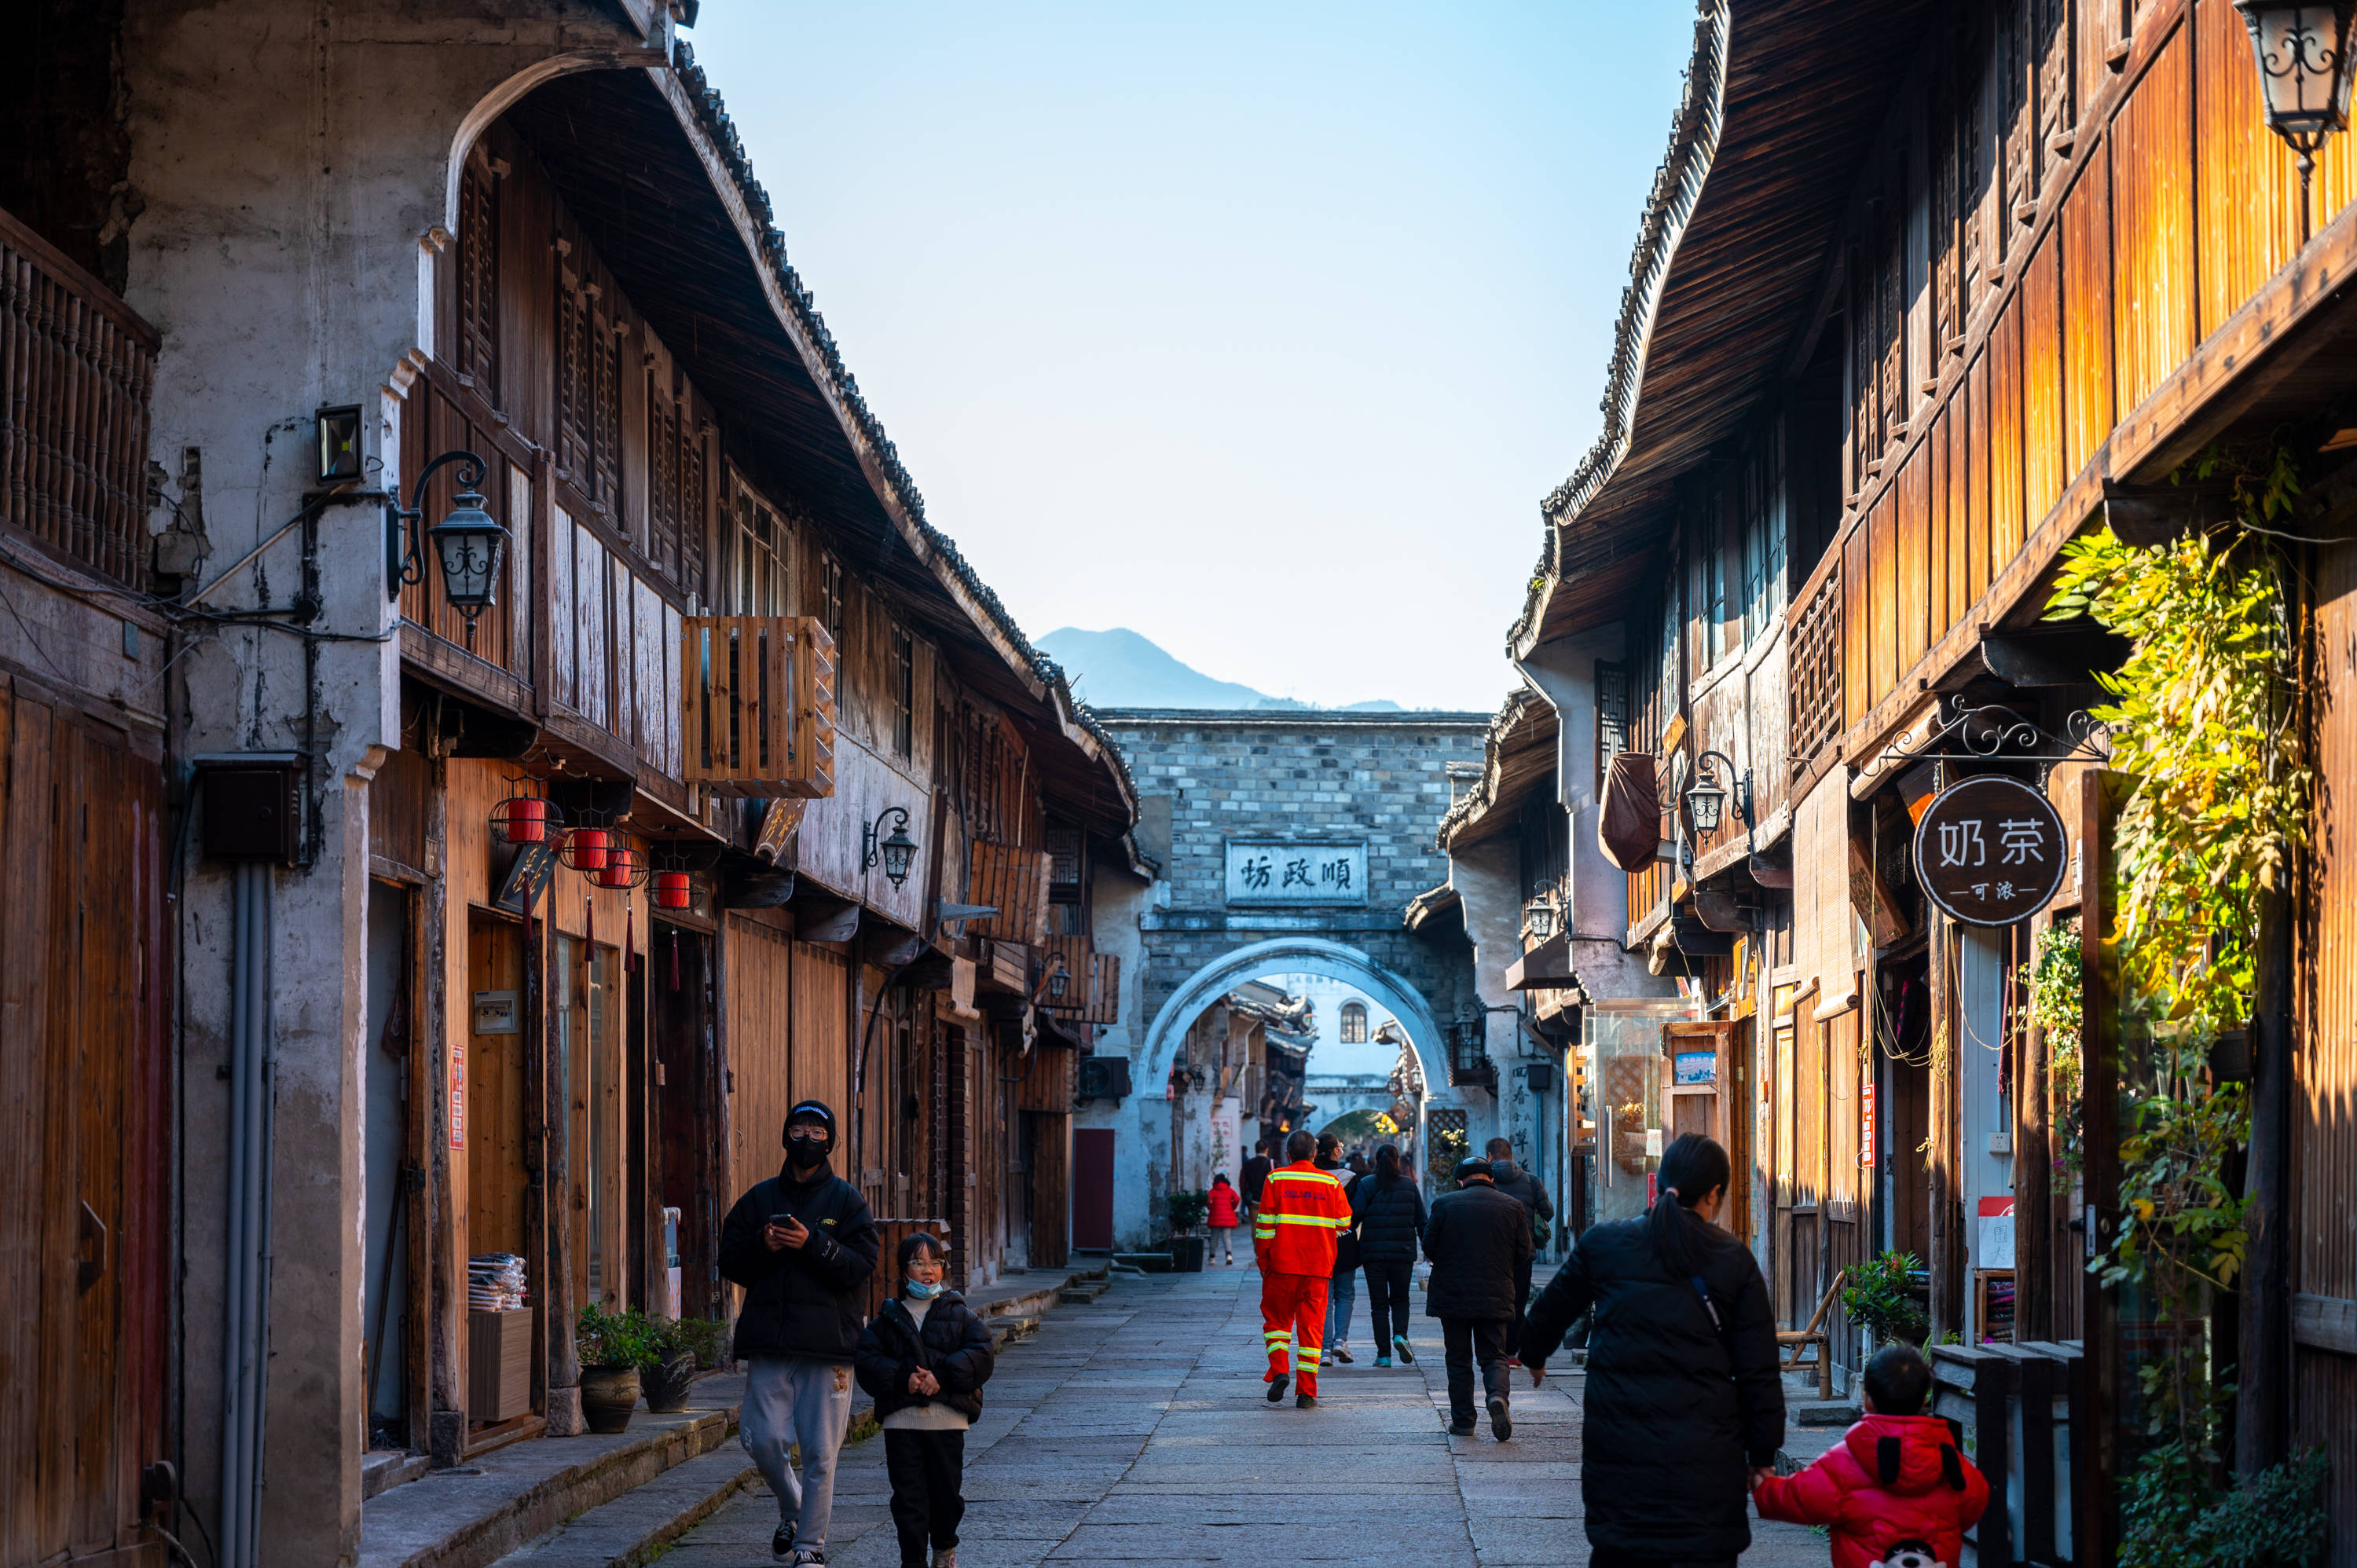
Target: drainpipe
<point x="246" y="1278"/>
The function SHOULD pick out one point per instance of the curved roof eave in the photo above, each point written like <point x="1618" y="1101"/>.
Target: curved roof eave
<point x="1677" y="186"/>
<point x="704" y="118"/>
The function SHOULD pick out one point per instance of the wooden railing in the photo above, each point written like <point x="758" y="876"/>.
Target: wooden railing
<point x="1815" y="663"/>
<point x="75" y="366"/>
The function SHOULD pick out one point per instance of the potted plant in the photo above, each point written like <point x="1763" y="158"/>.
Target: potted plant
<point x="689" y="1346"/>
<point x="1879" y="1297"/>
<point x="1188" y="1211"/>
<point x="611" y="1347"/>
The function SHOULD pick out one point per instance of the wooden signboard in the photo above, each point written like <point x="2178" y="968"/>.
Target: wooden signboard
<point x="1991" y="851"/>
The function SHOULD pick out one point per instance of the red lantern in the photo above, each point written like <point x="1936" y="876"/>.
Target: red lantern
<point x="525" y="818"/>
<point x="588" y="849"/>
<point x="625" y="865"/>
<point x="674" y="890"/>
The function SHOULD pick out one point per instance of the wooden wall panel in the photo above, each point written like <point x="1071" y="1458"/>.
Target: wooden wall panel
<point x="2040" y="308"/>
<point x="1973" y="576"/>
<point x="2247" y="193"/>
<point x="2007" y="440"/>
<point x="1912" y="607"/>
<point x="589" y="647"/>
<point x="756" y="974"/>
<point x="1882" y="632"/>
<point x="822" y="1032"/>
<point x="2325" y="1098"/>
<point x="563" y="633"/>
<point x="1856" y="613"/>
<point x="2155" y="298"/>
<point x="2086" y="320"/>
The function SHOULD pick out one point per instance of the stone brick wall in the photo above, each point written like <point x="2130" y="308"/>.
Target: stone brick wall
<point x="1210" y="777"/>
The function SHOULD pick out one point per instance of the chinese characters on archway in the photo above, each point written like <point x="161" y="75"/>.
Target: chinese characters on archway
<point x="1265" y="871"/>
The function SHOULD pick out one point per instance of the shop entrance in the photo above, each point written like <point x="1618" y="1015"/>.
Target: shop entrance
<point x="687" y="1149"/>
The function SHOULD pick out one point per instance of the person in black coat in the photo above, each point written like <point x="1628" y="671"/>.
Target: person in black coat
<point x="801" y="1243"/>
<point x="1526" y="1188"/>
<point x="1477" y="1239"/>
<point x="1684" y="1410"/>
<point x="1387" y="1212"/>
<point x="924" y="1357"/>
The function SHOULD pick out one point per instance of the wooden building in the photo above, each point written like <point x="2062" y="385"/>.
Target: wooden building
<point x="1921" y="293"/>
<point x="374" y="958"/>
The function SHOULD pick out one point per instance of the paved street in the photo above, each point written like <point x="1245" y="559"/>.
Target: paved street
<point x="1136" y="1429"/>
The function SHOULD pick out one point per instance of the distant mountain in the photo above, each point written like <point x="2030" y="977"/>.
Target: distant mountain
<point x="1121" y="669"/>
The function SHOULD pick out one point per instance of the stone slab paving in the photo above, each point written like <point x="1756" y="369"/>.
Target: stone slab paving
<point x="1133" y="1430"/>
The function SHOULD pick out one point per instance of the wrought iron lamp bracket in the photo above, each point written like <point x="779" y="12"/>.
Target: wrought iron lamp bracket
<point x="404" y="549"/>
<point x="1989" y="733"/>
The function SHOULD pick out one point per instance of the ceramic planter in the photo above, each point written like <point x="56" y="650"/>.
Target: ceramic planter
<point x="668" y="1386"/>
<point x="609" y="1395"/>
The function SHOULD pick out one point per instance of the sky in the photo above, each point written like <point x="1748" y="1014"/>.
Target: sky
<point x="1260" y="330"/>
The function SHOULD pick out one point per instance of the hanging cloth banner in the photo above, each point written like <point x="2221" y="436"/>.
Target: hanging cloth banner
<point x="1629" y="828"/>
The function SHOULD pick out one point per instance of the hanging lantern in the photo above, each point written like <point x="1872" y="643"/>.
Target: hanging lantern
<point x="526" y="819"/>
<point x="2303" y="58"/>
<point x="674" y="890"/>
<point x="588" y="849"/>
<point x="626" y="865"/>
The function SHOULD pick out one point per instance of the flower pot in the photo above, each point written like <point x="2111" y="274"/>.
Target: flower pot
<point x="669" y="1385"/>
<point x="609" y="1395"/>
<point x="1187" y="1254"/>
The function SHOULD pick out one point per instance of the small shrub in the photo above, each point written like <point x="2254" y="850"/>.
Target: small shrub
<point x="1877" y="1298"/>
<point x="625" y="1338"/>
<point x="1188" y="1211"/>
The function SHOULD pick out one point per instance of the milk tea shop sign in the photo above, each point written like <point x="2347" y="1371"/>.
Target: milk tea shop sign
<point x="1296" y="871"/>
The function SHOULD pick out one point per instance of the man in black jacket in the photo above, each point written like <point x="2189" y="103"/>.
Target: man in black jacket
<point x="803" y="1245"/>
<point x="1254" y="1178"/>
<point x="1526" y="1188"/>
<point x="1479" y="1240"/>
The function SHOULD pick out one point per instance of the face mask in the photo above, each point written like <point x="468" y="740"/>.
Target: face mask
<point x="918" y="1291"/>
<point x="806" y="1151"/>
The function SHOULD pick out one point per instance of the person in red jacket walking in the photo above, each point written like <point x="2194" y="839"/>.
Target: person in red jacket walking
<point x="1897" y="1481"/>
<point x="1224" y="1219"/>
<point x="1302" y="1213"/>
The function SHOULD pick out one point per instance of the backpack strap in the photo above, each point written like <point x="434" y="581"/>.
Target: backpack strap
<point x="1951" y="1467"/>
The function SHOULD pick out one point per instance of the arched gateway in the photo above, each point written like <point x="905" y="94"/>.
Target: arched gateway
<point x="1290" y="844"/>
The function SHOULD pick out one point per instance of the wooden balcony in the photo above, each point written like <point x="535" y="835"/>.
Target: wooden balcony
<point x="75" y="366"/>
<point x="757" y="705"/>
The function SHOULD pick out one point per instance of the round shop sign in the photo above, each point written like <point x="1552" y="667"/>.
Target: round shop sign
<point x="1991" y="851"/>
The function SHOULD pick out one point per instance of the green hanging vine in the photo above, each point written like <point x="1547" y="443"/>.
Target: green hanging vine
<point x="2203" y="719"/>
<point x="2050" y="979"/>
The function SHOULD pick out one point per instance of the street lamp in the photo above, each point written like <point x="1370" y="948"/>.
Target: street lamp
<point x="1538" y="918"/>
<point x="1059" y="979"/>
<point x="467" y="545"/>
<point x="895" y="851"/>
<point x="2302" y="53"/>
<point x="1705" y="795"/>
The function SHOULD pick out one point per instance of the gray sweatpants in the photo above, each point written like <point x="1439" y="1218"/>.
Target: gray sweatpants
<point x="792" y="1399"/>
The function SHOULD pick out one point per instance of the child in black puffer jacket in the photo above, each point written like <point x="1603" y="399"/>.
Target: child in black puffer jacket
<point x="925" y="1356"/>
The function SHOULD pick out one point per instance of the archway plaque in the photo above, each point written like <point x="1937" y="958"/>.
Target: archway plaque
<point x="1991" y="851"/>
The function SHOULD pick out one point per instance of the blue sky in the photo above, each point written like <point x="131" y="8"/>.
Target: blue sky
<point x="1259" y="330"/>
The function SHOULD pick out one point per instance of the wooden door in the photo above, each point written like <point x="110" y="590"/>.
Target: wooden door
<point x="689" y="1163"/>
<point x="83" y="1220"/>
<point x="1698" y="1085"/>
<point x="1093" y="1169"/>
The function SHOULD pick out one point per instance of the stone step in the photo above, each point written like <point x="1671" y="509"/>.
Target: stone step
<point x="1826" y="1413"/>
<point x="1083" y="1294"/>
<point x="473" y="1514"/>
<point x="638" y="1526"/>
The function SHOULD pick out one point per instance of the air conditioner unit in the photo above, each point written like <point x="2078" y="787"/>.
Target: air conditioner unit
<point x="1104" y="1077"/>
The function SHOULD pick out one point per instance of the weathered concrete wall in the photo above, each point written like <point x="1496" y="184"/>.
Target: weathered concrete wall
<point x="293" y="165"/>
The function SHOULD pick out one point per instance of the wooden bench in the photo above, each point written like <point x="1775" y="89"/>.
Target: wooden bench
<point x="1790" y="1342"/>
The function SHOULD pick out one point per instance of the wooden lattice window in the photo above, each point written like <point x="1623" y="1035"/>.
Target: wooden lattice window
<point x="1816" y="669"/>
<point x="665" y="501"/>
<point x="758" y="705"/>
<point x="479" y="278"/>
<point x="1612" y="717"/>
<point x="903" y="676"/>
<point x="588" y="390"/>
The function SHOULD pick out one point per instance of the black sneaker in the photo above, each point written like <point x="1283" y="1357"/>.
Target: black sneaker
<point x="1501" y="1421"/>
<point x="1406" y="1356"/>
<point x="782" y="1545"/>
<point x="811" y="1557"/>
<point x="1277" y="1388"/>
<point x="1305" y="1402"/>
<point x="1460" y="1429"/>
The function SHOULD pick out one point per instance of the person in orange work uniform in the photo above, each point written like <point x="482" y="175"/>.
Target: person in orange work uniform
<point x="1302" y="1212"/>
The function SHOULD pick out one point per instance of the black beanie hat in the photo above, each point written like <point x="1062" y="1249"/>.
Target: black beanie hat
<point x="1472" y="1167"/>
<point x="808" y="1110"/>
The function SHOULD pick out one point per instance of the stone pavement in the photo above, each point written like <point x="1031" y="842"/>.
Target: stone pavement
<point x="1135" y="1429"/>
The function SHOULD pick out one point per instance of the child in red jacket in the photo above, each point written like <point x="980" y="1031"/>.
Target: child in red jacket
<point x="1224" y="1219"/>
<point x="1898" y="1483"/>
